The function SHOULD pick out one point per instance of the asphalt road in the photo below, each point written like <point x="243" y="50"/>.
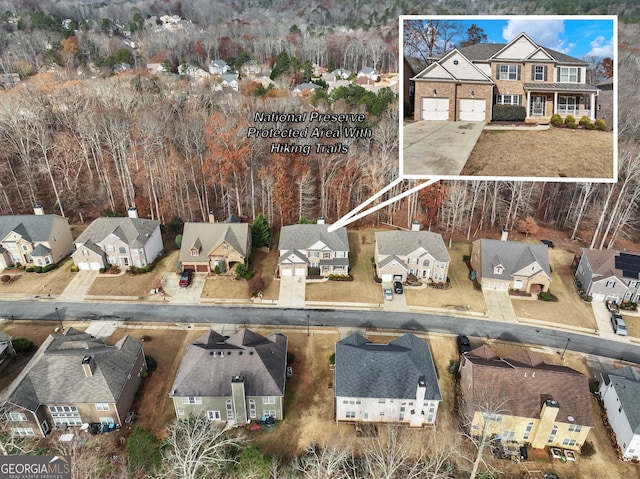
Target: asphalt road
<point x="168" y="313"/>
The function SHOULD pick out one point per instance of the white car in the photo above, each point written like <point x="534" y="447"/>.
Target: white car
<point x="388" y="294"/>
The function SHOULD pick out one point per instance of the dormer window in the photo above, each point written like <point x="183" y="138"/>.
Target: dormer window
<point x="194" y="251"/>
<point x="499" y="269"/>
<point x="224" y="246"/>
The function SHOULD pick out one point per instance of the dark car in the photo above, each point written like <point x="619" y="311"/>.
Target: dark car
<point x="397" y="287"/>
<point x="464" y="345"/>
<point x="549" y="243"/>
<point x="185" y="278"/>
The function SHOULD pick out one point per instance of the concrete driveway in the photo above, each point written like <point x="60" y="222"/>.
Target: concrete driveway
<point x="292" y="292"/>
<point x="438" y="148"/>
<point x="77" y="288"/>
<point x="603" y="320"/>
<point x="499" y="306"/>
<point x="189" y="295"/>
<point x="398" y="303"/>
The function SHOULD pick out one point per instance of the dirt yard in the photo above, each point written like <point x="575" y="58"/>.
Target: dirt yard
<point x="52" y="282"/>
<point x="553" y="153"/>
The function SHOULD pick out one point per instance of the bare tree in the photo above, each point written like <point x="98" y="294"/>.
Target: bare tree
<point x="322" y="462"/>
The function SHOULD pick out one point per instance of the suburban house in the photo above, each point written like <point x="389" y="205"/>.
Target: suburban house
<point x="525" y="400"/>
<point x="619" y="392"/>
<point x="236" y="378"/>
<point x="370" y="73"/>
<point x="311" y="249"/>
<point x="503" y="265"/>
<point x="206" y="246"/>
<point x="341" y="74"/>
<point x="610" y="274"/>
<point x="604" y="102"/>
<point x="73" y="379"/>
<point x="465" y="83"/>
<point x="218" y="67"/>
<point x="115" y="241"/>
<point x="34" y="240"/>
<point x="395" y="382"/>
<point x="6" y="350"/>
<point x="420" y="253"/>
<point x="305" y="89"/>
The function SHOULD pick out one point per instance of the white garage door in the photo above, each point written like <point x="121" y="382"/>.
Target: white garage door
<point x="88" y="266"/>
<point x="435" y="109"/>
<point x="301" y="271"/>
<point x="387" y="278"/>
<point x="473" y="110"/>
<point x="286" y="272"/>
<point x="83" y="266"/>
<point x="598" y="297"/>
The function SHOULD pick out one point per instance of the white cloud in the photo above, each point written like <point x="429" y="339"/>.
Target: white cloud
<point x="547" y="33"/>
<point x="601" y="47"/>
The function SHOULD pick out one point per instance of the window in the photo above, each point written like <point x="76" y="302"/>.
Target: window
<point x="568" y="442"/>
<point x="213" y="415"/>
<point x="567" y="105"/>
<point x="326" y="255"/>
<point x="194" y="252"/>
<point x="382" y="401"/>
<point x="552" y="437"/>
<point x="191" y="400"/>
<point x="63" y="409"/>
<point x="180" y="412"/>
<point x="229" y="409"/>
<point x="47" y="260"/>
<point x="569" y="75"/>
<point x="122" y="250"/>
<point x="313" y="254"/>
<point x="252" y="409"/>
<point x="225" y="246"/>
<point x="269" y="400"/>
<point x="507" y="99"/>
<point x="508" y="72"/>
<point x="350" y="414"/>
<point x="492" y="417"/>
<point x="412" y="261"/>
<point x="508" y="435"/>
<point x="25" y="247"/>
<point x="431" y="413"/>
<point x="15" y="416"/>
<point x="527" y="431"/>
<point x="269" y="413"/>
<point x="109" y="248"/>
<point x="539" y="73"/>
<point x="381" y="413"/>
<point x="426" y="262"/>
<point x="498" y="269"/>
<point x="610" y="284"/>
<point x="22" y="431"/>
<point x="352" y="401"/>
<point x="103" y="406"/>
<point x="106" y="420"/>
<point x="575" y="428"/>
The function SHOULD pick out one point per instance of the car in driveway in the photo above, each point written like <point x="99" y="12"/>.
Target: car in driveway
<point x="464" y="345"/>
<point x="397" y="287"/>
<point x="388" y="294"/>
<point x="185" y="278"/>
<point x="619" y="326"/>
<point x="549" y="243"/>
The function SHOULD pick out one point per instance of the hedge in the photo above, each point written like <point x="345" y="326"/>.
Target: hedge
<point x="509" y="113"/>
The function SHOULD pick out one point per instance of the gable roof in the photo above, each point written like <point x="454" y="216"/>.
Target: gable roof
<point x="55" y="374"/>
<point x="513" y="256"/>
<point x="604" y="263"/>
<point x="260" y="360"/>
<point x="133" y="231"/>
<point x="301" y="237"/>
<point x="527" y="383"/>
<point x="32" y="228"/>
<point x="208" y="236"/>
<point x="402" y="243"/>
<point x="454" y="66"/>
<point x="370" y="370"/>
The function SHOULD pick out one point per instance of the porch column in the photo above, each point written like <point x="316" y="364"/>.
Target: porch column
<point x="528" y="104"/>
<point x="592" y="104"/>
<point x="555" y="102"/>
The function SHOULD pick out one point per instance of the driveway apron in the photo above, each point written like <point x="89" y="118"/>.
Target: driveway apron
<point x="292" y="292"/>
<point x="77" y="288"/>
<point x="499" y="306"/>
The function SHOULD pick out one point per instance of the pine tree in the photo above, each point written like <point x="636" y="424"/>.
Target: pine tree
<point x="261" y="234"/>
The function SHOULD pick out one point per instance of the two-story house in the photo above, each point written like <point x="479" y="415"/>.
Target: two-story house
<point x="523" y="399"/>
<point x="394" y="382"/>
<point x="236" y="378"/>
<point x="123" y="242"/>
<point x="37" y="239"/>
<point x="307" y="246"/>
<point x="73" y="379"/>
<point x="420" y="253"/>
<point x="610" y="274"/>
<point x="465" y="83"/>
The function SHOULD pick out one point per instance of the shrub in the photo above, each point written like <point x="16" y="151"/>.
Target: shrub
<point x="291" y="358"/>
<point x="143" y="450"/>
<point x="573" y="126"/>
<point x="30" y="269"/>
<point x="587" y="450"/>
<point x="216" y="270"/>
<point x="38" y="269"/>
<point x="103" y="270"/>
<point x="49" y="267"/>
<point x="152" y="364"/>
<point x="256" y="285"/>
<point x="545" y="296"/>
<point x="339" y="277"/>
<point x="22" y="345"/>
<point x="466" y="258"/>
<point x="590" y="126"/>
<point x="5" y="278"/>
<point x="242" y="271"/>
<point x="332" y="359"/>
<point x="569" y="119"/>
<point x="20" y="267"/>
<point x="556" y="120"/>
<point x="74" y="268"/>
<point x="509" y="113"/>
<point x="584" y="121"/>
<point x="179" y="241"/>
<point x="600" y="124"/>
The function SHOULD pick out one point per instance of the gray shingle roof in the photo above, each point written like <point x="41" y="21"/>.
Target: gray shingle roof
<point x="402" y="243"/>
<point x="208" y="236"/>
<point x="513" y="256"/>
<point x="369" y="370"/>
<point x="302" y="237"/>
<point x="626" y="382"/>
<point x="40" y="250"/>
<point x="133" y="231"/>
<point x="55" y="375"/>
<point x="560" y="87"/>
<point x="204" y="372"/>
<point x="483" y="51"/>
<point x="32" y="227"/>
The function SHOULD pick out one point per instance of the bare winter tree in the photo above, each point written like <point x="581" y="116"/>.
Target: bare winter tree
<point x="328" y="462"/>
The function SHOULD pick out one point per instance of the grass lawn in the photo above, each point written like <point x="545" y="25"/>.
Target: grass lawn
<point x="52" y="282"/>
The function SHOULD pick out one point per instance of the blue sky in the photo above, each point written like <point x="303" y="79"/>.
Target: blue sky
<point x="577" y="37"/>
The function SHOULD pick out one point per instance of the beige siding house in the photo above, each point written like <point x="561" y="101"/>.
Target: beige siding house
<point x="207" y="245"/>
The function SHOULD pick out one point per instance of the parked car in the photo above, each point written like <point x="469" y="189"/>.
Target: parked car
<point x="619" y="326"/>
<point x="185" y="278"/>
<point x="388" y="294"/>
<point x="464" y="345"/>
<point x="549" y="243"/>
<point x="397" y="287"/>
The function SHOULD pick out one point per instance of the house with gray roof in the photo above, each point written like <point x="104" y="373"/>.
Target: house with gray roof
<point x="419" y="253"/>
<point x="207" y="245"/>
<point x="34" y="240"/>
<point x="218" y="67"/>
<point x="395" y="382"/>
<point x="115" y="241"/>
<point x="466" y="84"/>
<point x="619" y="391"/>
<point x="370" y="73"/>
<point x="610" y="274"/>
<point x="6" y="350"/>
<point x="73" y="379"/>
<point x="305" y="246"/>
<point x="235" y="378"/>
<point x="503" y="265"/>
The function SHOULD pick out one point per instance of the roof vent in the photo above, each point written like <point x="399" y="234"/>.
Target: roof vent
<point x="570" y="418"/>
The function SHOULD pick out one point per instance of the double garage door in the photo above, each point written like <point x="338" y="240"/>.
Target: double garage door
<point x="437" y="109"/>
<point x="294" y="271"/>
<point x="86" y="266"/>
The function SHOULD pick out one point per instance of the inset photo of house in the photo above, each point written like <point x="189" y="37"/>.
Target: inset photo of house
<point x="523" y="97"/>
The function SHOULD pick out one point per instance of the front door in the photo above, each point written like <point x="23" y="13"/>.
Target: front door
<point x="538" y="103"/>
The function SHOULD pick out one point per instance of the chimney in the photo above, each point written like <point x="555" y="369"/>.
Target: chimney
<point x="415" y="225"/>
<point x="548" y="416"/>
<point x="505" y="234"/>
<point x="38" y="210"/>
<point x="133" y="212"/>
<point x="88" y="366"/>
<point x="212" y="218"/>
<point x="320" y="220"/>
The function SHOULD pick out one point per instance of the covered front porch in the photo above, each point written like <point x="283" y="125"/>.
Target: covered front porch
<point x="544" y="101"/>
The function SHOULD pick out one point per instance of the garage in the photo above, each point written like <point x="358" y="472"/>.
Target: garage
<point x="387" y="278"/>
<point x="473" y="110"/>
<point x="435" y="109"/>
<point x="286" y="271"/>
<point x="301" y="272"/>
<point x="86" y="266"/>
<point x="202" y="268"/>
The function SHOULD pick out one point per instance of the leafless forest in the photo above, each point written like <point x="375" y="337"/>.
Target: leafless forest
<point x="84" y="142"/>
